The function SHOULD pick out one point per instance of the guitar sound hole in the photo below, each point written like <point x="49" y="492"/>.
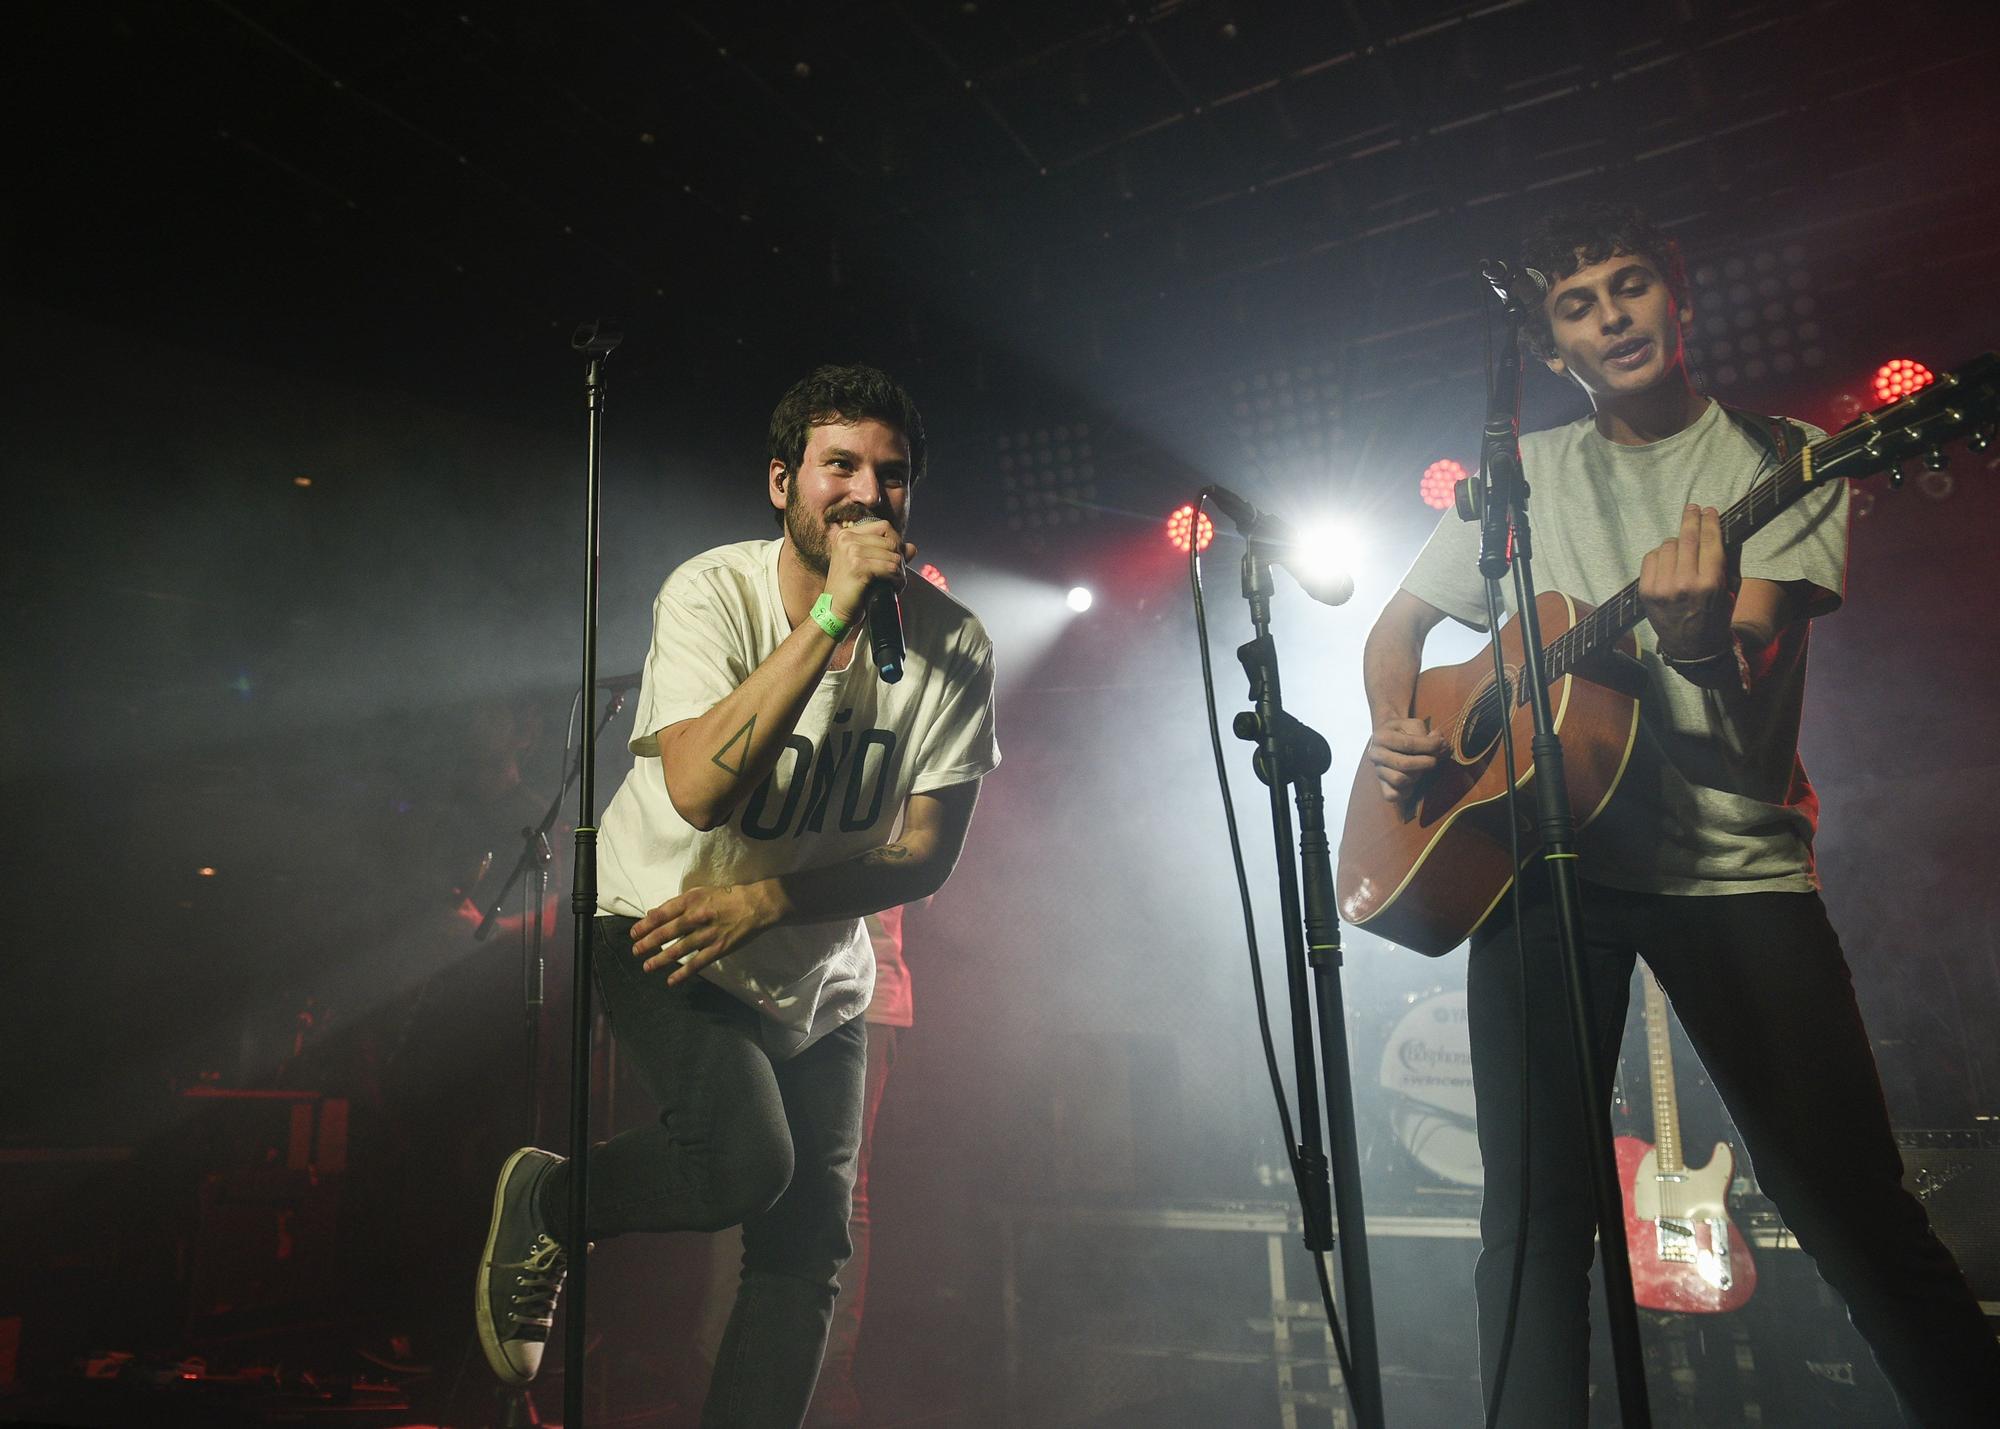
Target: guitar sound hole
<point x="1480" y="730"/>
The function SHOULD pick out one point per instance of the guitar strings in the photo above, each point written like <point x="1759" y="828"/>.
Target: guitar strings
<point x="1973" y="391"/>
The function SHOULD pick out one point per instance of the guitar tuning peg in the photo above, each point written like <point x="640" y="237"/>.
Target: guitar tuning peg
<point x="1896" y="476"/>
<point x="1936" y="459"/>
<point x="1980" y="438"/>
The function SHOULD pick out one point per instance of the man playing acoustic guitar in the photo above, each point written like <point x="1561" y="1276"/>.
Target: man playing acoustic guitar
<point x="1702" y="861"/>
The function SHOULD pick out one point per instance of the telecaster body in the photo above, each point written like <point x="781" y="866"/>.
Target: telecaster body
<point x="1687" y="1257"/>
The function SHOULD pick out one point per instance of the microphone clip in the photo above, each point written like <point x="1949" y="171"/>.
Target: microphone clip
<point x="1520" y="290"/>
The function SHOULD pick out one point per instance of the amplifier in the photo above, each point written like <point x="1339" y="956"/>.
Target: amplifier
<point x="265" y="1254"/>
<point x="1956" y="1174"/>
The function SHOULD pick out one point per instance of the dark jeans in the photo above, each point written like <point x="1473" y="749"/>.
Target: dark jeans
<point x="740" y="1140"/>
<point x="1762" y="988"/>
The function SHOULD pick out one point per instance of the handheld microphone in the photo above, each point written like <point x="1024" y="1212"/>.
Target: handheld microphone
<point x="1518" y="288"/>
<point x="885" y="631"/>
<point x="1327" y="586"/>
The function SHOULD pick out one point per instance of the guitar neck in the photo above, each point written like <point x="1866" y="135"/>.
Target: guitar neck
<point x="1660" y="1058"/>
<point x="1600" y="630"/>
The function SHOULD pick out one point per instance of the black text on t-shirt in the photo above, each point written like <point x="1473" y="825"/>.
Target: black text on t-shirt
<point x="862" y="766"/>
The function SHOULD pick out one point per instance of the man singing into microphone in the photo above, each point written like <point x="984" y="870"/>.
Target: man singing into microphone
<point x="1701" y="863"/>
<point x="781" y="789"/>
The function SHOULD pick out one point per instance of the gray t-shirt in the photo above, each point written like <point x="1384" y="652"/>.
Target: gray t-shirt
<point x="1714" y="799"/>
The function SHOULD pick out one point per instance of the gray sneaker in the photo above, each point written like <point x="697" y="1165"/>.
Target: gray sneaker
<point x="521" y="1272"/>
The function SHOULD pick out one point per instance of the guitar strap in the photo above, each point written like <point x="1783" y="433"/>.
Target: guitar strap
<point x="1775" y="436"/>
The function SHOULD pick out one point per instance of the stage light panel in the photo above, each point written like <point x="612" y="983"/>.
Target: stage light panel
<point x="1899" y="377"/>
<point x="1182" y="523"/>
<point x="1440" y="483"/>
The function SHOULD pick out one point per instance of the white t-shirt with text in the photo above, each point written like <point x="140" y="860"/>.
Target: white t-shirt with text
<point x="859" y="751"/>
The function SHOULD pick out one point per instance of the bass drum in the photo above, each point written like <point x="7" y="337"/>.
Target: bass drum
<point x="1426" y="1081"/>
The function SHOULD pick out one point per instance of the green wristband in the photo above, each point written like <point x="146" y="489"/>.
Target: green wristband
<point x="823" y="616"/>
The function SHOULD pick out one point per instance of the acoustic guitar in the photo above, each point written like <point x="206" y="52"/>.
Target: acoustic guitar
<point x="1687" y="1255"/>
<point x="1426" y="871"/>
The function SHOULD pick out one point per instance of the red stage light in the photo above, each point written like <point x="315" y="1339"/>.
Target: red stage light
<point x="1182" y="522"/>
<point x="1899" y="377"/>
<point x="935" y="576"/>
<point x="1441" y="479"/>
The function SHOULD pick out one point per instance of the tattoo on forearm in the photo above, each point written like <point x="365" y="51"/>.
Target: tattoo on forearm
<point x="888" y="853"/>
<point x="721" y="759"/>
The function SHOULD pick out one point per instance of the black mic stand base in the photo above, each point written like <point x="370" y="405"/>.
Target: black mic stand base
<point x="517" y="1409"/>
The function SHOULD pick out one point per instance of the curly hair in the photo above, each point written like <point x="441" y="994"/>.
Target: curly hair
<point x="1570" y="239"/>
<point x="852" y="393"/>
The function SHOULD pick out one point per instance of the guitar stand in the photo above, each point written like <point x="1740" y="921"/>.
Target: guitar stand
<point x="1292" y="754"/>
<point x="1500" y="503"/>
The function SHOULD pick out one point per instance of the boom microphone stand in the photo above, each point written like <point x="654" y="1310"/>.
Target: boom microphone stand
<point x="1500" y="503"/>
<point x="595" y="341"/>
<point x="1291" y="753"/>
<point x="533" y="864"/>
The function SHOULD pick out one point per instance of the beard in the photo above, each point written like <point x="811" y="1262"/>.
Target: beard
<point x="809" y="533"/>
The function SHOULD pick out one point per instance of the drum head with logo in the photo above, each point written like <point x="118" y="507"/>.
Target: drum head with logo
<point x="1426" y="1075"/>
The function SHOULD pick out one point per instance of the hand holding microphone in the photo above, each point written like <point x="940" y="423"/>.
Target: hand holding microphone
<point x="865" y="570"/>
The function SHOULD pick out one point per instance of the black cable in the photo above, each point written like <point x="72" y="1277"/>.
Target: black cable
<point x="1325" y="1273"/>
<point x="1250" y="939"/>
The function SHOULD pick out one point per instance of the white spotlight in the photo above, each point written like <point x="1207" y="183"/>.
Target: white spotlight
<point x="1328" y="551"/>
<point x="1080" y="598"/>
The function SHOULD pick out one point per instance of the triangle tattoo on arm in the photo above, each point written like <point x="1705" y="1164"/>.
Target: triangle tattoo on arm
<point x="721" y="758"/>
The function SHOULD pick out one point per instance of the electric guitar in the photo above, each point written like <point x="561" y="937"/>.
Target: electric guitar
<point x="1687" y="1255"/>
<point x="1426" y="871"/>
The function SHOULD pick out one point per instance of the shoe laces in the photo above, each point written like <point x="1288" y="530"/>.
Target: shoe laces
<point x="537" y="1280"/>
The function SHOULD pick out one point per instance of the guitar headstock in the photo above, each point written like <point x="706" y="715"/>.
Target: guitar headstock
<point x="1962" y="405"/>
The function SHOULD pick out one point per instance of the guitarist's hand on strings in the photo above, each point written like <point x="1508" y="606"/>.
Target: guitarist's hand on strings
<point x="1403" y="751"/>
<point x="1688" y="586"/>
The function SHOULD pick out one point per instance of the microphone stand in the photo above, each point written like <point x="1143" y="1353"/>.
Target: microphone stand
<point x="1291" y="753"/>
<point x="596" y="341"/>
<point x="533" y="864"/>
<point x="1500" y="503"/>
